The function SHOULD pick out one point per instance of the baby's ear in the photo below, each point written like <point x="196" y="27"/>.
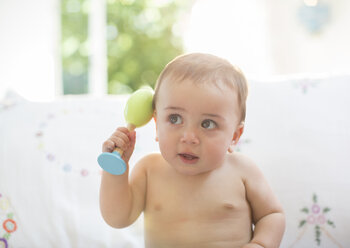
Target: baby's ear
<point x="236" y="136"/>
<point x="155" y="121"/>
<point x="155" y="117"/>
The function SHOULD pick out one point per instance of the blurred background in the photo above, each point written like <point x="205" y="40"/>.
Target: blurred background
<point x="50" y="48"/>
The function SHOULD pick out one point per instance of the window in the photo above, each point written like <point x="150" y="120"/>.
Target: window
<point x="123" y="42"/>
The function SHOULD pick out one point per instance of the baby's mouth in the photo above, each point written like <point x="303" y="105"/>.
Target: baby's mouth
<point x="188" y="158"/>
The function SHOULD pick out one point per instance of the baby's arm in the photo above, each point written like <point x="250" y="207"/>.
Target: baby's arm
<point x="122" y="198"/>
<point x="268" y="216"/>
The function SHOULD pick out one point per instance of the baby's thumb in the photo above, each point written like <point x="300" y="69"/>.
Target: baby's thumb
<point x="128" y="152"/>
<point x="132" y="139"/>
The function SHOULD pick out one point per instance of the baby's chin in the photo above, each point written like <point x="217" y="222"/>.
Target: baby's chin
<point x="191" y="169"/>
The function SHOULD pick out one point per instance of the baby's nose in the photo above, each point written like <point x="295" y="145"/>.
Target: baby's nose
<point x="190" y="137"/>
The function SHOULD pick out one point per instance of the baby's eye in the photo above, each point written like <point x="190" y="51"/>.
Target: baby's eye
<point x="208" y="124"/>
<point x="175" y="119"/>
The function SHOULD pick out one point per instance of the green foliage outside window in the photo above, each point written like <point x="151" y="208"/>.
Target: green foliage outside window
<point x="142" y="37"/>
<point x="74" y="46"/>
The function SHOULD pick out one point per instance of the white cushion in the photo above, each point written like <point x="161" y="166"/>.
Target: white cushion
<point x="297" y="131"/>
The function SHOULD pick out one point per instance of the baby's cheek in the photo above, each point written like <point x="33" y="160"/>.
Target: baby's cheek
<point x="217" y="150"/>
<point x="165" y="147"/>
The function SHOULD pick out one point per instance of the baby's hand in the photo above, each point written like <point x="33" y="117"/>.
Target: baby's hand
<point x="123" y="139"/>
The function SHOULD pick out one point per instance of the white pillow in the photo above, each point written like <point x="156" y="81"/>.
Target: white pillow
<point x="49" y="176"/>
<point x="297" y="131"/>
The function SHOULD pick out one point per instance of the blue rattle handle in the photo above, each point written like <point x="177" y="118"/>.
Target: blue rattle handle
<point x="112" y="162"/>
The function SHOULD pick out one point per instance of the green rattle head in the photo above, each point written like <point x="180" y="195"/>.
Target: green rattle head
<point x="139" y="110"/>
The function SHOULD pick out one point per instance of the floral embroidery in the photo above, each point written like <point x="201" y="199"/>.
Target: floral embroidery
<point x="51" y="156"/>
<point x="317" y="219"/>
<point x="11" y="100"/>
<point x="8" y="224"/>
<point x="305" y="85"/>
<point x="241" y="143"/>
<point x="3" y="243"/>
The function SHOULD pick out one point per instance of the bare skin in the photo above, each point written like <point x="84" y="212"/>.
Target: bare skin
<point x="207" y="210"/>
<point x="197" y="192"/>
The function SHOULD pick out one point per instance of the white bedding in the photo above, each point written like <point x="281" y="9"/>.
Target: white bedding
<point x="297" y="131"/>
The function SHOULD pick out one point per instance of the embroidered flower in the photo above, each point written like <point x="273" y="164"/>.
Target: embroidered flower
<point x="316" y="217"/>
<point x="315" y="208"/>
<point x="3" y="243"/>
<point x="8" y="224"/>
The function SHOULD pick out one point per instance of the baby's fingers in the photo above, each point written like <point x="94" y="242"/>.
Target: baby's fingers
<point x="129" y="151"/>
<point x="120" y="138"/>
<point x="108" y="146"/>
<point x="121" y="141"/>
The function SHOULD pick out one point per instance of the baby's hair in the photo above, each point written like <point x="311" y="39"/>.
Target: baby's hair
<point x="205" y="68"/>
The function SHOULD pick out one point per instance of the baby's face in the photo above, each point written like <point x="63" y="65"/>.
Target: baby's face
<point x="195" y="125"/>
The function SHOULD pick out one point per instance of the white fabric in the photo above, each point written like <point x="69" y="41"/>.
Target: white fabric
<point x="297" y="131"/>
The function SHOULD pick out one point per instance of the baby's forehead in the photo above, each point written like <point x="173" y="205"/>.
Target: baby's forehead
<point x="197" y="92"/>
<point x="177" y="86"/>
<point x="210" y="84"/>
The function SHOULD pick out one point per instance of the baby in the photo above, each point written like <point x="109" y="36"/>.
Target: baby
<point x="197" y="192"/>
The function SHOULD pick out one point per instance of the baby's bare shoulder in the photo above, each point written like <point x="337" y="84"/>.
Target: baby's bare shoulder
<point x="240" y="160"/>
<point x="149" y="161"/>
<point x="242" y="163"/>
<point x="145" y="164"/>
<point x="152" y="157"/>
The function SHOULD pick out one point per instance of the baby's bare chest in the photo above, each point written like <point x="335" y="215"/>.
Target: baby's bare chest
<point x="209" y="198"/>
<point x="180" y="212"/>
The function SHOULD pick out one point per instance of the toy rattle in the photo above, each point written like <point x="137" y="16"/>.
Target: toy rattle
<point x="138" y="112"/>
